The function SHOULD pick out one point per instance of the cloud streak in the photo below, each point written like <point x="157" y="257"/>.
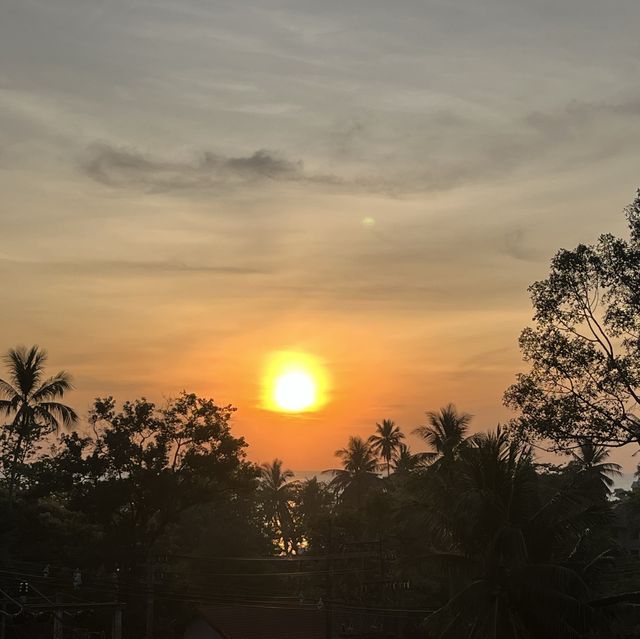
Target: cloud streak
<point x="114" y="267"/>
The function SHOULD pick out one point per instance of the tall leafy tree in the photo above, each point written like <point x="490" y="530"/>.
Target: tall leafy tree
<point x="386" y="442"/>
<point x="584" y="346"/>
<point x="146" y="466"/>
<point x="32" y="403"/>
<point x="146" y="481"/>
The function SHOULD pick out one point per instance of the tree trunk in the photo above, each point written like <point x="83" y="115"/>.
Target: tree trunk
<point x="14" y="470"/>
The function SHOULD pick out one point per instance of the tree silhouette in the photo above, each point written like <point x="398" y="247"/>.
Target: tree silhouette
<point x="276" y="489"/>
<point x="32" y="402"/>
<point x="488" y="521"/>
<point x="358" y="472"/>
<point x="501" y="547"/>
<point x="312" y="505"/>
<point x="405" y="461"/>
<point x="147" y="466"/>
<point x="583" y="349"/>
<point x="445" y="433"/>
<point x="592" y="465"/>
<point x="386" y="441"/>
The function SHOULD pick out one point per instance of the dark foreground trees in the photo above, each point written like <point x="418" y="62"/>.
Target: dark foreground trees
<point x="142" y="467"/>
<point x="471" y="538"/>
<point x="143" y="482"/>
<point x="504" y="549"/>
<point x="276" y="492"/>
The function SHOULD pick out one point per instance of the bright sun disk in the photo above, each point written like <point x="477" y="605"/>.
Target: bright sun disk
<point x="294" y="383"/>
<point x="295" y="391"/>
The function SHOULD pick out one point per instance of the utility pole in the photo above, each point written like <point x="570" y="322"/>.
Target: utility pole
<point x="381" y="558"/>
<point x="57" y="619"/>
<point x="328" y="606"/>
<point x="116" y="628"/>
<point x="150" y="599"/>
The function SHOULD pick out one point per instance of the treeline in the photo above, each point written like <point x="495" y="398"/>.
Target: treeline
<point x="472" y="537"/>
<point x="473" y="528"/>
<point x="495" y="544"/>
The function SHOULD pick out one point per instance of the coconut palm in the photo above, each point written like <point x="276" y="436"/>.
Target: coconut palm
<point x="276" y="487"/>
<point x="485" y="517"/>
<point x="32" y="402"/>
<point x="358" y="472"/>
<point x="445" y="433"/>
<point x="313" y="498"/>
<point x="591" y="462"/>
<point x="313" y="501"/>
<point x="386" y="441"/>
<point x="404" y="460"/>
<point x="514" y="599"/>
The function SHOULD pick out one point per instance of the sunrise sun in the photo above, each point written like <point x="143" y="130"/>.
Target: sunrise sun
<point x="294" y="383"/>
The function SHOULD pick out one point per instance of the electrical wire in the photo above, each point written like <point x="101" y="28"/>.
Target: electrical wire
<point x="15" y="601"/>
<point x="137" y="586"/>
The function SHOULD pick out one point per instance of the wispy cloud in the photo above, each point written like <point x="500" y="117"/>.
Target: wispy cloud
<point x="80" y="268"/>
<point x="446" y="150"/>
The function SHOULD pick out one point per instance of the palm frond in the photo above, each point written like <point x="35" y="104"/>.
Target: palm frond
<point x="42" y="417"/>
<point x="8" y="390"/>
<point x="26" y="367"/>
<point x="8" y="406"/>
<point x="55" y="412"/>
<point x="53" y="387"/>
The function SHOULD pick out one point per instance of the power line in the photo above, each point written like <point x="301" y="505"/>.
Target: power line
<point x="15" y="601"/>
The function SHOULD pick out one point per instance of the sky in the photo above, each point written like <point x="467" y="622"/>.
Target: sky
<point x="188" y="187"/>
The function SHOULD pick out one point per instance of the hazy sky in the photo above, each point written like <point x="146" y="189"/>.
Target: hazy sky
<point x="188" y="186"/>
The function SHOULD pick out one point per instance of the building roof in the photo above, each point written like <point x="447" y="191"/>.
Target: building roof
<point x="255" y="622"/>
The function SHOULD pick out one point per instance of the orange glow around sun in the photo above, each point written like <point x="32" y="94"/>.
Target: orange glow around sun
<point x="294" y="383"/>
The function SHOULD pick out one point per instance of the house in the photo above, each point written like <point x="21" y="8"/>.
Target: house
<point x="249" y="621"/>
<point x="253" y="621"/>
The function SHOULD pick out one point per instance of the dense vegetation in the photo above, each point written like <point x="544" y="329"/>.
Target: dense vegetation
<point x="469" y="536"/>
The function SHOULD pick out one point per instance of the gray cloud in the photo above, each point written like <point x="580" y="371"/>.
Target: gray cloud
<point x="129" y="168"/>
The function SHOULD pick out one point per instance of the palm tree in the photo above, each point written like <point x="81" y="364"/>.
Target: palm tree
<point x="386" y="441"/>
<point x="404" y="461"/>
<point x="276" y="486"/>
<point x="312" y="508"/>
<point x="312" y="498"/>
<point x="487" y="519"/>
<point x="445" y="433"/>
<point x="591" y="462"/>
<point x="32" y="401"/>
<point x="358" y="472"/>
